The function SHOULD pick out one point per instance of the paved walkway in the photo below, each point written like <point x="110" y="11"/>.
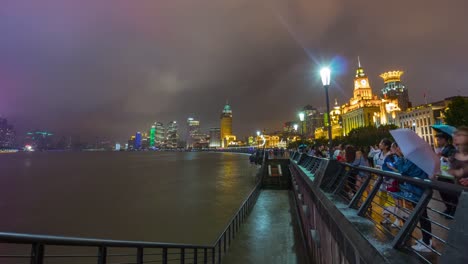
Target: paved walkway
<point x="270" y="234"/>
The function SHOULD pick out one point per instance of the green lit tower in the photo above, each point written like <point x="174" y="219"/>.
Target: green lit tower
<point x="152" y="135"/>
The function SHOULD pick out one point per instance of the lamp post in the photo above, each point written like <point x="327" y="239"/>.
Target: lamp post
<point x="325" y="74"/>
<point x="301" y="118"/>
<point x="258" y="141"/>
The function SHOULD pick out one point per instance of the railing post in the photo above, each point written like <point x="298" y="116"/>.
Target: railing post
<point x="37" y="254"/>
<point x="102" y="257"/>
<point x="213" y="253"/>
<point x="205" y="255"/>
<point x="343" y="182"/>
<point x="182" y="256"/>
<point x="164" y="256"/>
<point x="219" y="251"/>
<point x="360" y="192"/>
<point x="195" y="256"/>
<point x="224" y="238"/>
<point x="362" y="211"/>
<point x="140" y="255"/>
<point x="413" y="219"/>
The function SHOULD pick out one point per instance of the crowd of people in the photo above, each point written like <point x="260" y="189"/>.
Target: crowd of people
<point x="399" y="197"/>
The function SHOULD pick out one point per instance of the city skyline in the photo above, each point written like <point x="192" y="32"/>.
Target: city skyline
<point x="92" y="69"/>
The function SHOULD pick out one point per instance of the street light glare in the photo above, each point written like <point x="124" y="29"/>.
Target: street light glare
<point x="301" y="116"/>
<point x="258" y="133"/>
<point x="295" y="127"/>
<point x="325" y="74"/>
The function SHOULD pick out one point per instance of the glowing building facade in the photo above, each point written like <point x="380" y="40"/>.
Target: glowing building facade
<point x="394" y="89"/>
<point x="362" y="107"/>
<point x="152" y="136"/>
<point x="172" y="135"/>
<point x="159" y="135"/>
<point x="193" y="128"/>
<point x="227" y="138"/>
<point x="215" y="137"/>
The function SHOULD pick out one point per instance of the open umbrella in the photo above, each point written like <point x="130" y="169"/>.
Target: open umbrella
<point x="449" y="130"/>
<point x="417" y="150"/>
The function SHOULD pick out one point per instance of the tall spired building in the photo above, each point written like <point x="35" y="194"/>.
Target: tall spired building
<point x="226" y="127"/>
<point x="361" y="110"/>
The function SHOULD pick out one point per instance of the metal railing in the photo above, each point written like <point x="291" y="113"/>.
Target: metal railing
<point x="402" y="216"/>
<point x="61" y="249"/>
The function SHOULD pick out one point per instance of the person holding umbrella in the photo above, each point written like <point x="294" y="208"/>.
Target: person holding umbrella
<point x="416" y="160"/>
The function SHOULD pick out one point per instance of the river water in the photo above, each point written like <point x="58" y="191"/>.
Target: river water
<point x="180" y="197"/>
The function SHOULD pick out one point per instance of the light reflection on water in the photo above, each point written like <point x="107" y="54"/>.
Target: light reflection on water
<point x="165" y="197"/>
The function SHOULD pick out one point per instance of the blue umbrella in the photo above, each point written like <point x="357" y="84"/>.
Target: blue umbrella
<point x="446" y="129"/>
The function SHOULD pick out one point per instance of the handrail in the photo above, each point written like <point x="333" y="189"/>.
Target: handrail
<point x="437" y="185"/>
<point x="22" y="238"/>
<point x="238" y="212"/>
<point x="407" y="207"/>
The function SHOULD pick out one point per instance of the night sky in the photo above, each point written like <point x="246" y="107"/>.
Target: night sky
<point x="112" y="67"/>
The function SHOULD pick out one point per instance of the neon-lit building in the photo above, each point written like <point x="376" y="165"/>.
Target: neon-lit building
<point x="137" y="142"/>
<point x="152" y="136"/>
<point x="39" y="140"/>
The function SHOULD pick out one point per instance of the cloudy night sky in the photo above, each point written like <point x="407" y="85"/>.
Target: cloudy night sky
<point x="112" y="67"/>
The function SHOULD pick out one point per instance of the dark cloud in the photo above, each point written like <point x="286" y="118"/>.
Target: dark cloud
<point x="112" y="67"/>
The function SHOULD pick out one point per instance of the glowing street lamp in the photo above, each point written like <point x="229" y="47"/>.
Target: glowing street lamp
<point x="301" y="118"/>
<point x="325" y="74"/>
<point x="295" y="127"/>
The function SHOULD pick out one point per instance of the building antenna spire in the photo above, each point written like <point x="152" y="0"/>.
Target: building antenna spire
<point x="359" y="61"/>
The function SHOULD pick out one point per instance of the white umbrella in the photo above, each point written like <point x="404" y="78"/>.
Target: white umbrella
<point x="417" y="150"/>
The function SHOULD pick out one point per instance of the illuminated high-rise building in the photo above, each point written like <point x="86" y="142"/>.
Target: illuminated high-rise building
<point x="362" y="109"/>
<point x="215" y="137"/>
<point x="152" y="136"/>
<point x="226" y="127"/>
<point x="313" y="120"/>
<point x="160" y="134"/>
<point x="193" y="128"/>
<point x="137" y="142"/>
<point x="172" y="135"/>
<point x="394" y="89"/>
<point x="7" y="134"/>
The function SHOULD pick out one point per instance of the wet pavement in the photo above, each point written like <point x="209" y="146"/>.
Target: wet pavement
<point x="270" y="234"/>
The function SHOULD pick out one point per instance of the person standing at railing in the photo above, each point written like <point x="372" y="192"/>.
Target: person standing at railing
<point x="379" y="162"/>
<point x="412" y="194"/>
<point x="459" y="162"/>
<point x="445" y="152"/>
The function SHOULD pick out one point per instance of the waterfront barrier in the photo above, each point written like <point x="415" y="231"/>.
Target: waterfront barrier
<point x="352" y="219"/>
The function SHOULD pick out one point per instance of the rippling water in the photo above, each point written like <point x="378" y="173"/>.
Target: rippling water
<point x="152" y="196"/>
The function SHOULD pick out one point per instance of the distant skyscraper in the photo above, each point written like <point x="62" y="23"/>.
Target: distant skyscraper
<point x="226" y="126"/>
<point x="7" y="134"/>
<point x="193" y="128"/>
<point x="394" y="89"/>
<point x="313" y="120"/>
<point x="152" y="135"/>
<point x="215" y="137"/>
<point x="137" y="143"/>
<point x="172" y="135"/>
<point x="160" y="134"/>
<point x="39" y="140"/>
